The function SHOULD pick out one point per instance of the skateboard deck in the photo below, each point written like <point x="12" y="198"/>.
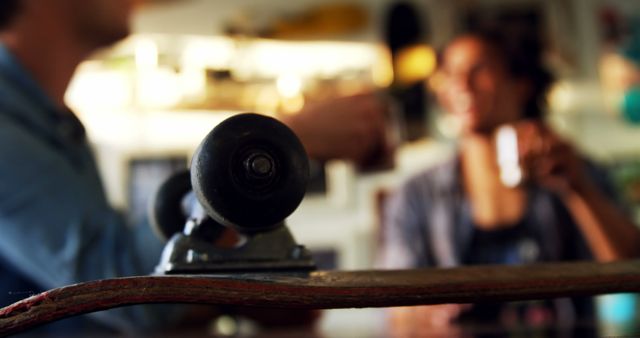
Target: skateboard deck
<point x="329" y="289"/>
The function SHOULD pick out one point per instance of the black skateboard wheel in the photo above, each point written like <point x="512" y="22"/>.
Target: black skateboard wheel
<point x="166" y="213"/>
<point x="250" y="173"/>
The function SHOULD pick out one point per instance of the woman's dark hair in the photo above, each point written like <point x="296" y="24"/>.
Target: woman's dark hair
<point x="523" y="55"/>
<point x="8" y="10"/>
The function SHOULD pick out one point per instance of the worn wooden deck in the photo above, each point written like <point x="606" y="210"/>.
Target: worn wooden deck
<point x="329" y="289"/>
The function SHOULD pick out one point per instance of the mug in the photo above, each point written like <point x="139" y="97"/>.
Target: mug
<point x="508" y="157"/>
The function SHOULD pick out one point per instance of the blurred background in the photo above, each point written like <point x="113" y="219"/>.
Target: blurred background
<point x="148" y="101"/>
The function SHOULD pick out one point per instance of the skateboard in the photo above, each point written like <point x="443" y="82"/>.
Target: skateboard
<point x="329" y="289"/>
<point x="250" y="183"/>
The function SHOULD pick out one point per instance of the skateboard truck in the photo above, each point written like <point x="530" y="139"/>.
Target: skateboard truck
<point x="248" y="174"/>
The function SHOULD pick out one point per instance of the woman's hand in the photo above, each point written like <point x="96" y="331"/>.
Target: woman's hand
<point x="555" y="164"/>
<point x="549" y="160"/>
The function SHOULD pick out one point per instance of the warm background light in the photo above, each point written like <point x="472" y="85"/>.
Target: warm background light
<point x="415" y="63"/>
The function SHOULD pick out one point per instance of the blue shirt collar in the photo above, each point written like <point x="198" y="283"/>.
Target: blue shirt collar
<point x="26" y="101"/>
<point x="11" y="68"/>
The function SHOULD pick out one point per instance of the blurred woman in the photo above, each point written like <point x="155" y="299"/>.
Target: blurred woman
<point x="461" y="213"/>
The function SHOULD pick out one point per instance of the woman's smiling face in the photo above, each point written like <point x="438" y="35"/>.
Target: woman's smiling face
<point x="478" y="89"/>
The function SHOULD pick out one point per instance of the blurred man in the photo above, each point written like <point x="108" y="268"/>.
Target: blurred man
<point x="57" y="226"/>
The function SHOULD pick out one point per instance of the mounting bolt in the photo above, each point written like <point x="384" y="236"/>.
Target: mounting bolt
<point x="259" y="165"/>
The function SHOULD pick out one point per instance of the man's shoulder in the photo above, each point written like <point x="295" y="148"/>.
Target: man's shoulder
<point x="11" y="128"/>
<point x="22" y="120"/>
<point x="23" y="144"/>
<point x="14" y="107"/>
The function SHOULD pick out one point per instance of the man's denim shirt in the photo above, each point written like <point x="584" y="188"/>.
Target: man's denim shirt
<point x="56" y="225"/>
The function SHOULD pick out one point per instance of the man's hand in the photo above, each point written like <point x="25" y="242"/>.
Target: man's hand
<point x="351" y="127"/>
